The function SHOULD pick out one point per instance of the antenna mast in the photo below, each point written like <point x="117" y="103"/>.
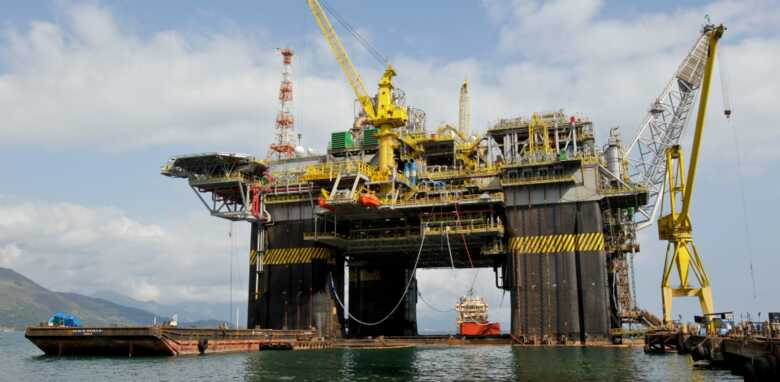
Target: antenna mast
<point x="284" y="146"/>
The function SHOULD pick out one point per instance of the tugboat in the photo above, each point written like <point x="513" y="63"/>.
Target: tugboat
<point x="473" y="317"/>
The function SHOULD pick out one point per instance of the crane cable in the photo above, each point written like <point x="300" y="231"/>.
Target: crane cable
<point x="452" y="261"/>
<point x="452" y="267"/>
<point x="740" y="177"/>
<point x="468" y="253"/>
<point x="401" y="300"/>
<point x="501" y="303"/>
<point x="382" y="59"/>
<point x="463" y="236"/>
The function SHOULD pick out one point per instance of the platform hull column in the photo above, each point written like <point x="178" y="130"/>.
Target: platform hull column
<point x="558" y="271"/>
<point x="295" y="282"/>
<point x="373" y="293"/>
<point x="252" y="294"/>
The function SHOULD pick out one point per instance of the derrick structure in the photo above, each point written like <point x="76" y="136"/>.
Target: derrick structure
<point x="284" y="146"/>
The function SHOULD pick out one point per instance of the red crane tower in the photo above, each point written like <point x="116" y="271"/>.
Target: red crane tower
<point x="284" y="147"/>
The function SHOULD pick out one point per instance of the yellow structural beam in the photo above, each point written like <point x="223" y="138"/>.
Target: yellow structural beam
<point x="714" y="34"/>
<point x="353" y="77"/>
<point x="675" y="227"/>
<point x="385" y="114"/>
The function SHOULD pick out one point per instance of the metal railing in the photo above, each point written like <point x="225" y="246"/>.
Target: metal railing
<point x="451" y="198"/>
<point x="330" y="170"/>
<point x="520" y="181"/>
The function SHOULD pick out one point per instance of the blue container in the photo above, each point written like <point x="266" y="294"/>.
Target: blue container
<point x="64" y="319"/>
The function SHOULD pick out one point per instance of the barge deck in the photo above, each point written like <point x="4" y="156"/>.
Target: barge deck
<point x="171" y="341"/>
<point x="166" y="341"/>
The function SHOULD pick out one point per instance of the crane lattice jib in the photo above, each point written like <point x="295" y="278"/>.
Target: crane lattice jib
<point x="341" y="56"/>
<point x="663" y="126"/>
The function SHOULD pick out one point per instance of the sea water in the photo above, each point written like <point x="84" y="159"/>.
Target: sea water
<point x="20" y="360"/>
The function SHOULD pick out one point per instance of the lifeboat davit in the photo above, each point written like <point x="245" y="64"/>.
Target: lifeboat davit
<point x="369" y="200"/>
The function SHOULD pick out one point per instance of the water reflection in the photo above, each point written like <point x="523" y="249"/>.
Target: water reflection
<point x="497" y="363"/>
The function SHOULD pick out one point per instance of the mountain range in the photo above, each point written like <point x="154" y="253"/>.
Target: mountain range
<point x="190" y="311"/>
<point x="24" y="302"/>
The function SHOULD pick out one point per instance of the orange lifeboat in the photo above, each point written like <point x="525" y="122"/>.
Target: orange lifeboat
<point x="324" y="204"/>
<point x="369" y="200"/>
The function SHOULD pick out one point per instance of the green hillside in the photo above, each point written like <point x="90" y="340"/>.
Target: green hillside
<point x="24" y="303"/>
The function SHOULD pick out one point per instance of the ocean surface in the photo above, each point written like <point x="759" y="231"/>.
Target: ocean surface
<point x="20" y="360"/>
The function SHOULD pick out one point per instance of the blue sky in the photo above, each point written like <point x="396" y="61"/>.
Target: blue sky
<point x="97" y="95"/>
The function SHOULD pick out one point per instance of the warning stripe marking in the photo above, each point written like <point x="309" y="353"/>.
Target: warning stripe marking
<point x="253" y="257"/>
<point x="281" y="256"/>
<point x="581" y="242"/>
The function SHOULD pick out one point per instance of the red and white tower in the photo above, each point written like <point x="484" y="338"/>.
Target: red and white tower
<point x="284" y="147"/>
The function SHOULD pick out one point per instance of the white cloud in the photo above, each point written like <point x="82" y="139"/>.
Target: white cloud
<point x="9" y="253"/>
<point x="70" y="247"/>
<point x="572" y="56"/>
<point x="88" y="82"/>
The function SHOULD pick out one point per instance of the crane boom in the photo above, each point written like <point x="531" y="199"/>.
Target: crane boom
<point x="676" y="227"/>
<point x="663" y="126"/>
<point x="385" y="111"/>
<point x="713" y="35"/>
<point x="341" y="56"/>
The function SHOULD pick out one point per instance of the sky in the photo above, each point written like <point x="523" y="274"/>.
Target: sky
<point x="95" y="96"/>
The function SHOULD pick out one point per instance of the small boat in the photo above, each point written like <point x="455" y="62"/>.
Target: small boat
<point x="473" y="317"/>
<point x="324" y="204"/>
<point x="369" y="200"/>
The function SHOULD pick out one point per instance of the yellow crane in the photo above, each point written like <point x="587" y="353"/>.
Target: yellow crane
<point x="382" y="111"/>
<point x="675" y="227"/>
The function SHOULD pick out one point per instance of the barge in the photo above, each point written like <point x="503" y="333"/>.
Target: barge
<point x="172" y="341"/>
<point x="166" y="341"/>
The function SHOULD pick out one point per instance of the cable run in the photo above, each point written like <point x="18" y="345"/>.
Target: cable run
<point x="403" y="295"/>
<point x="741" y="181"/>
<point x="230" y="254"/>
<point x="362" y="40"/>
<point x="463" y="237"/>
<point x="740" y="177"/>
<point x="431" y="305"/>
<point x="724" y="85"/>
<point x="449" y="249"/>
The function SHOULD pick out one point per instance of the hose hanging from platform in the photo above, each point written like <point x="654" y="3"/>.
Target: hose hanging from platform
<point x="401" y="300"/>
<point x="433" y="307"/>
<point x="449" y="249"/>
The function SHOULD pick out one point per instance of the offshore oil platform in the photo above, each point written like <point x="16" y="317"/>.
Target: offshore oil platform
<point x="337" y="238"/>
<point x="535" y="198"/>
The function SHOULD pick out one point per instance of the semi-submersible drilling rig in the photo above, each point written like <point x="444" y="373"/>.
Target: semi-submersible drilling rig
<point x="534" y="198"/>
